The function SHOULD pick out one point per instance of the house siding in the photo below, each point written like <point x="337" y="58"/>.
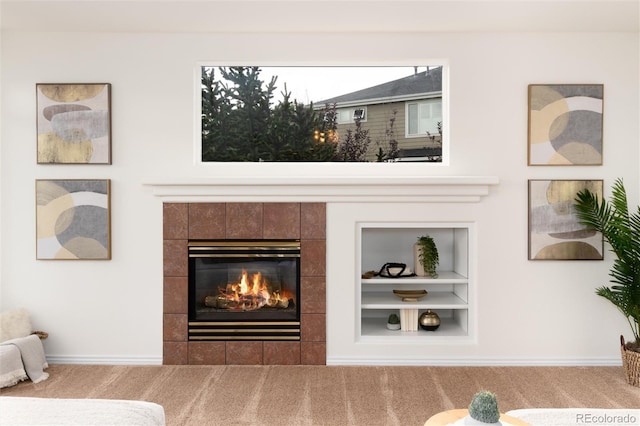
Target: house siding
<point x="378" y="122"/>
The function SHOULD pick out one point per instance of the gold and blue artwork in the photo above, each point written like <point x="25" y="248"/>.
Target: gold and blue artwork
<point x="73" y="219"/>
<point x="74" y="123"/>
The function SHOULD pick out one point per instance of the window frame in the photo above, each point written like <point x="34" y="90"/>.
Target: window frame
<point x="322" y="168"/>
<point x="430" y="102"/>
<point x="351" y="113"/>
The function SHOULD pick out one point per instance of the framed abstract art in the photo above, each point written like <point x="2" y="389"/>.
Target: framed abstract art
<point x="74" y="123"/>
<point x="555" y="232"/>
<point x="73" y="219"/>
<point x="565" y="124"/>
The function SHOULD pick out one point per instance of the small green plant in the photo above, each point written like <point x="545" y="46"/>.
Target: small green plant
<point x="393" y="319"/>
<point x="484" y="407"/>
<point x="428" y="256"/>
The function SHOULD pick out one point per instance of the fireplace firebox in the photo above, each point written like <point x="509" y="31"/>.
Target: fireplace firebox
<point x="244" y="290"/>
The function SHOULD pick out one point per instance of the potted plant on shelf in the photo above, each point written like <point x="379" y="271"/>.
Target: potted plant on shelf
<point x="393" y="323"/>
<point x="426" y="254"/>
<point x="621" y="230"/>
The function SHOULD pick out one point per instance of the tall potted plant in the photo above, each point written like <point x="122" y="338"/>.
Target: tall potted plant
<point x="621" y="230"/>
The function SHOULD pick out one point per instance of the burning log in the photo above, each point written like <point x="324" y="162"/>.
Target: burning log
<point x="220" y="302"/>
<point x="249" y="293"/>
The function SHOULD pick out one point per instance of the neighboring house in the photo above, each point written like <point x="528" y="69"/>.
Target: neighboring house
<point x="417" y="102"/>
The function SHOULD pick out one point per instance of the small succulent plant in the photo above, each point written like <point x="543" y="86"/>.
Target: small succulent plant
<point x="393" y="319"/>
<point x="484" y="407"/>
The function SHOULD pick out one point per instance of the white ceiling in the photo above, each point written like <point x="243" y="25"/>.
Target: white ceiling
<point x="197" y="16"/>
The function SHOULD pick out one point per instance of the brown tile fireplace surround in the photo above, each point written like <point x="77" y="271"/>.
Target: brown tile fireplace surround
<point x="304" y="221"/>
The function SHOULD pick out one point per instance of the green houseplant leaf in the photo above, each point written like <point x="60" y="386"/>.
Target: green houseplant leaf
<point x="428" y="255"/>
<point x="621" y="230"/>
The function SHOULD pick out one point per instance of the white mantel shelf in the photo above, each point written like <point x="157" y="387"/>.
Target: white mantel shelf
<point x="442" y="189"/>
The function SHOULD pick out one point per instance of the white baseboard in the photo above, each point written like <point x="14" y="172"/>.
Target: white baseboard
<point x="448" y="362"/>
<point x="496" y="362"/>
<point x="103" y="360"/>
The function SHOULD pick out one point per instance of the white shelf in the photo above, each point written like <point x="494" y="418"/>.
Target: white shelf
<point x="444" y="277"/>
<point x="433" y="300"/>
<point x="450" y="294"/>
<point x="376" y="328"/>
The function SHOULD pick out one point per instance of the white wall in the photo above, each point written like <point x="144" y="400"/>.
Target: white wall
<point x="111" y="311"/>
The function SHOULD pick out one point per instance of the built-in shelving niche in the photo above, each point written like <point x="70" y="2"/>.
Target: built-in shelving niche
<point x="450" y="295"/>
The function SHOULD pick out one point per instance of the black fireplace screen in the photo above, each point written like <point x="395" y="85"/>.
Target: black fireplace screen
<point x="237" y="288"/>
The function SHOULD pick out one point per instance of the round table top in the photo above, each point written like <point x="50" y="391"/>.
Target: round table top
<point x="452" y="416"/>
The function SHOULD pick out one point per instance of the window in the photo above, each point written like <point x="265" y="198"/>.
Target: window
<point x="250" y="113"/>
<point x="423" y="117"/>
<point x="350" y="115"/>
<point x="344" y="116"/>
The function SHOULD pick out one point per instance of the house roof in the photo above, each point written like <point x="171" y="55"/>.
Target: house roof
<point x="429" y="81"/>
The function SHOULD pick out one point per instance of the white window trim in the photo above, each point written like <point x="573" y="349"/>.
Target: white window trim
<point x="407" y="135"/>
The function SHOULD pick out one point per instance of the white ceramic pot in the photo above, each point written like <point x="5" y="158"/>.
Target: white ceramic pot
<point x="417" y="266"/>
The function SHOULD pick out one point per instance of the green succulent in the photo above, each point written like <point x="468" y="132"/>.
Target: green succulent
<point x="484" y="407"/>
<point x="393" y="319"/>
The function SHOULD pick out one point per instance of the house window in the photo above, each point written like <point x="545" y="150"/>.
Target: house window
<point x="350" y="115"/>
<point x="358" y="114"/>
<point x="423" y="117"/>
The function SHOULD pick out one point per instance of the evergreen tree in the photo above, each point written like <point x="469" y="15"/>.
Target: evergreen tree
<point x="250" y="110"/>
<point x="215" y="110"/>
<point x="280" y="130"/>
<point x="239" y="122"/>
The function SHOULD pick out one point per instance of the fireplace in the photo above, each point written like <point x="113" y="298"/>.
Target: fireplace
<point x="244" y="290"/>
<point x="223" y="208"/>
<point x="277" y="221"/>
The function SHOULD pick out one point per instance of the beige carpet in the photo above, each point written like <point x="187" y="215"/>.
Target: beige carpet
<point x="321" y="395"/>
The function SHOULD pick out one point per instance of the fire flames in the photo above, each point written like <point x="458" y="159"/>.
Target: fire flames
<point x="250" y="293"/>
